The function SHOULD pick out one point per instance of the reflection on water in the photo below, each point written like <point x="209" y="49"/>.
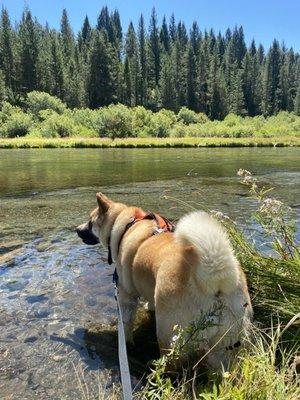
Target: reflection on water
<point x="56" y="303"/>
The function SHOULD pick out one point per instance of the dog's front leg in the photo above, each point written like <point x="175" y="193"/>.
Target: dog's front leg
<point x="128" y="305"/>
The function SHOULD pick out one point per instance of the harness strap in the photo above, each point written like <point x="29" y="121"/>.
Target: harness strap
<point x="163" y="225"/>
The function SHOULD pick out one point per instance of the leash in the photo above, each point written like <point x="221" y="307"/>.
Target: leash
<point x="123" y="358"/>
<point x="163" y="225"/>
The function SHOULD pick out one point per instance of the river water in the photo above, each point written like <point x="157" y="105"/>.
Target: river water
<point x="57" y="312"/>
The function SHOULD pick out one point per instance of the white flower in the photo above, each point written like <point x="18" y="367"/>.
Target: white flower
<point x="226" y="375"/>
<point x="271" y="206"/>
<point x="249" y="180"/>
<point x="219" y="214"/>
<point x="243" y="172"/>
<point x="175" y="338"/>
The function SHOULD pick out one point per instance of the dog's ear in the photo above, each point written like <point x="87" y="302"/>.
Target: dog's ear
<point x="103" y="202"/>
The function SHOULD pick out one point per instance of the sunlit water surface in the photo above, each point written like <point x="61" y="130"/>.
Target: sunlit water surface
<point x="55" y="291"/>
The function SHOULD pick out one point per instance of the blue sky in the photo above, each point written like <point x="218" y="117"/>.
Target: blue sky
<point x="263" y="20"/>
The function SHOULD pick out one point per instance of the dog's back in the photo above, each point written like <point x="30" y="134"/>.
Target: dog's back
<point x="193" y="275"/>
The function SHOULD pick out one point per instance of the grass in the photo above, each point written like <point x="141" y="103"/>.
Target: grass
<point x="76" y="142"/>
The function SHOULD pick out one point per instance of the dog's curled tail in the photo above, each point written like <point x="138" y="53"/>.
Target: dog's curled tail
<point x="218" y="268"/>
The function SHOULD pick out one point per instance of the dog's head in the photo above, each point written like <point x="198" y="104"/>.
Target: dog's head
<point x="100" y="222"/>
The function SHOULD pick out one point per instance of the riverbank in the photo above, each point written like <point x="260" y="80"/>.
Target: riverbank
<point x="77" y="142"/>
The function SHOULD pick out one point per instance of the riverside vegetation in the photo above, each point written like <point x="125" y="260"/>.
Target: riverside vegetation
<point x="43" y="120"/>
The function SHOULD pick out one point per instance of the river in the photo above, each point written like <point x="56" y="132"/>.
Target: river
<point x="56" y="296"/>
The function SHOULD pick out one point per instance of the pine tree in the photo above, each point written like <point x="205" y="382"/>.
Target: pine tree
<point x="236" y="102"/>
<point x="164" y="36"/>
<point x="103" y="21"/>
<point x="154" y="53"/>
<point x="57" y="70"/>
<point x="167" y="84"/>
<point x="85" y="35"/>
<point x="127" y="98"/>
<point x="271" y="80"/>
<point x="172" y="29"/>
<point x="132" y="69"/>
<point x="67" y="37"/>
<point x="179" y="66"/>
<point x="3" y="88"/>
<point x="29" y="53"/>
<point x="143" y="62"/>
<point x="101" y="89"/>
<point x="195" y="38"/>
<point x="7" y="52"/>
<point x="191" y="79"/>
<point x="44" y="64"/>
<point x="297" y="99"/>
<point x="216" y="90"/>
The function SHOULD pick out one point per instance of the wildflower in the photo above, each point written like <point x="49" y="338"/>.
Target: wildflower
<point x="175" y="338"/>
<point x="226" y="375"/>
<point x="271" y="206"/>
<point x="219" y="214"/>
<point x="243" y="172"/>
<point x="247" y="180"/>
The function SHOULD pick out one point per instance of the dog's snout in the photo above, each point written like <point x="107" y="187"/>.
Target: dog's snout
<point x="86" y="235"/>
<point x="79" y="232"/>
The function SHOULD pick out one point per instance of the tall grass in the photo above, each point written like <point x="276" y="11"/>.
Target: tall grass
<point x="77" y="142"/>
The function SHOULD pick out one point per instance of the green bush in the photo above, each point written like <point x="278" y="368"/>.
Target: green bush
<point x="141" y="121"/>
<point x="179" y="130"/>
<point x="37" y="101"/>
<point x="187" y="116"/>
<point x="58" y="126"/>
<point x="88" y="118"/>
<point x="162" y="122"/>
<point x="115" y="121"/>
<point x="18" y="124"/>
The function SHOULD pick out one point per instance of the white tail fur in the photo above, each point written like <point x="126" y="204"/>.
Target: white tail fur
<point x="218" y="269"/>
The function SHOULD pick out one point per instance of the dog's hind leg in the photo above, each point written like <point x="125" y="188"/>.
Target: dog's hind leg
<point x="128" y="305"/>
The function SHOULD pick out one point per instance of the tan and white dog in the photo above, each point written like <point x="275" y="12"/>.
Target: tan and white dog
<point x="185" y="275"/>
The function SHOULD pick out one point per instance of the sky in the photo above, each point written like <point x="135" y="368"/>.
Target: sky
<point x="262" y="20"/>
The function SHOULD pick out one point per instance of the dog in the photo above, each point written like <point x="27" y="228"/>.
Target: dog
<point x="187" y="275"/>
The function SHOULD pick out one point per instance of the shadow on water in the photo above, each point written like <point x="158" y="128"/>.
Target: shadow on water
<point x="103" y="341"/>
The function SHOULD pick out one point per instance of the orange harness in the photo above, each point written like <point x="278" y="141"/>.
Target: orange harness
<point x="162" y="225"/>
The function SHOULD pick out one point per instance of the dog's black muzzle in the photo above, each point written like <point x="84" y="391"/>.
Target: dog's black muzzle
<point x="87" y="236"/>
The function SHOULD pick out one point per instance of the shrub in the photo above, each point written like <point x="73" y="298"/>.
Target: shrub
<point x="87" y="117"/>
<point x="162" y="122"/>
<point x="179" y="130"/>
<point x="7" y="110"/>
<point x="18" y="124"/>
<point x="141" y="121"/>
<point x="58" y="126"/>
<point x="187" y="116"/>
<point x="37" y="101"/>
<point x="115" y="121"/>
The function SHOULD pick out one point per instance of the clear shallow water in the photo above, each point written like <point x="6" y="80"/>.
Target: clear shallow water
<point x="53" y="288"/>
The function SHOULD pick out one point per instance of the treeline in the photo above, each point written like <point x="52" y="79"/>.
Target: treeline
<point x="155" y="66"/>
